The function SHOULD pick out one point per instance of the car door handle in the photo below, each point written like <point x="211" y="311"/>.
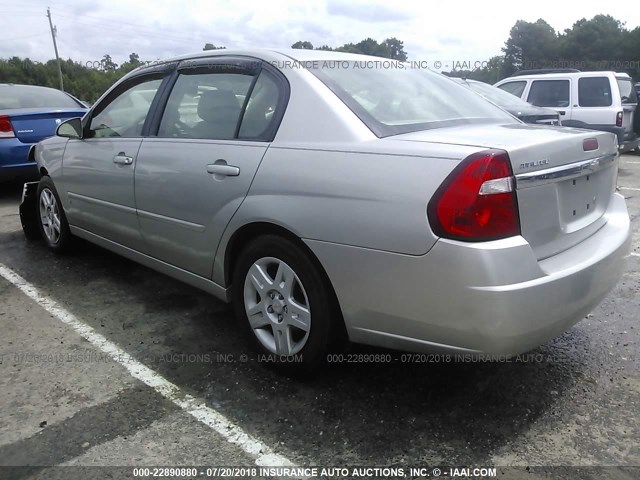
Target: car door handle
<point x="122" y="159"/>
<point x="226" y="170"/>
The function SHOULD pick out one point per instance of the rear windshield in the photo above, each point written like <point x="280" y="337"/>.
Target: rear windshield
<point x="391" y="98"/>
<point x="627" y="92"/>
<point x="16" y="96"/>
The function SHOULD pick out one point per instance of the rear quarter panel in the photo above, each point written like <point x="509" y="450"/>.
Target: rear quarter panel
<point x="366" y="197"/>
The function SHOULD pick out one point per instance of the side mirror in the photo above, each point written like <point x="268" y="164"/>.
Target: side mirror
<point x="72" y="128"/>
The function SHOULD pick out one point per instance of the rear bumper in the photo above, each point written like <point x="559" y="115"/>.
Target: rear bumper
<point x="14" y="161"/>
<point x="492" y="297"/>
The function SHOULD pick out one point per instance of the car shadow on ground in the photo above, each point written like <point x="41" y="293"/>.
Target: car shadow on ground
<point x="429" y="411"/>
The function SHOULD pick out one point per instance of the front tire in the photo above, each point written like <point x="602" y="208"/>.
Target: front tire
<point x="52" y="221"/>
<point x="285" y="304"/>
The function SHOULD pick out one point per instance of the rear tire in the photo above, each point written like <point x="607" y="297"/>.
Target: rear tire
<point x="285" y="304"/>
<point x="52" y="221"/>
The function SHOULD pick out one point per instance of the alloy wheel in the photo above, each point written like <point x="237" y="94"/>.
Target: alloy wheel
<point x="50" y="215"/>
<point x="277" y="306"/>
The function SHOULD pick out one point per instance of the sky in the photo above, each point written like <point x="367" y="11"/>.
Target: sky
<point x="445" y="31"/>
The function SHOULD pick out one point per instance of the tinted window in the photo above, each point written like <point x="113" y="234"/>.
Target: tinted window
<point x="18" y="96"/>
<point x="514" y="88"/>
<point x="124" y="115"/>
<point x="205" y="105"/>
<point x="398" y="99"/>
<point x="627" y="92"/>
<point x="549" y="93"/>
<point x="594" y="92"/>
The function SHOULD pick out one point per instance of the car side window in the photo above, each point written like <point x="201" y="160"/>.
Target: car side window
<point x="594" y="92"/>
<point x="205" y="105"/>
<point x="514" y="88"/>
<point x="549" y="93"/>
<point x="124" y="115"/>
<point x="262" y="109"/>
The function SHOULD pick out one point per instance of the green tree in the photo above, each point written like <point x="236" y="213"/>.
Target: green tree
<point x="389" y="48"/>
<point x="133" y="63"/>
<point x="601" y="38"/>
<point x="396" y="49"/>
<point x="211" y="46"/>
<point x="530" y="45"/>
<point x="108" y="64"/>
<point x="134" y="59"/>
<point x="304" y="45"/>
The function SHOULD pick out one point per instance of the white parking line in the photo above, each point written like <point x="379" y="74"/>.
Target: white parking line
<point x="264" y="456"/>
<point x="634" y="254"/>
<point x="629" y="188"/>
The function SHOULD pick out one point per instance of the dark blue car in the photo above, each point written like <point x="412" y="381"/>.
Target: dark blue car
<point x="29" y="114"/>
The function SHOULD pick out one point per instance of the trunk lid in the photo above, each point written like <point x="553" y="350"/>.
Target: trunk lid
<point x="563" y="190"/>
<point x="33" y="125"/>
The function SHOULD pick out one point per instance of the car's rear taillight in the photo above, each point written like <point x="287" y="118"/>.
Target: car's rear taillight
<point x="477" y="201"/>
<point x="6" y="129"/>
<point x="619" y="119"/>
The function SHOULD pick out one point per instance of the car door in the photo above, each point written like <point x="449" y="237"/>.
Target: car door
<point x="193" y="175"/>
<point x="98" y="170"/>
<point x="552" y="93"/>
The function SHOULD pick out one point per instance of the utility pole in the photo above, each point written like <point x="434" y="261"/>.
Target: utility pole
<point x="54" y="31"/>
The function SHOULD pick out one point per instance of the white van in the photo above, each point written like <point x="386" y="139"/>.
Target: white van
<point x="604" y="101"/>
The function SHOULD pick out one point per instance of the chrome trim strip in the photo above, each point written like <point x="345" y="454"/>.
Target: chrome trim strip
<point x="564" y="172"/>
<point x="103" y="203"/>
<point x="173" y="221"/>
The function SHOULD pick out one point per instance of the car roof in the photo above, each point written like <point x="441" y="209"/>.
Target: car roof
<point x="20" y="85"/>
<point x="551" y="76"/>
<point x="271" y="55"/>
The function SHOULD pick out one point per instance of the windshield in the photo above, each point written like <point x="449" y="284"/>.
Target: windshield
<point x="627" y="92"/>
<point x="393" y="98"/>
<point x="19" y="96"/>
<point x="497" y="96"/>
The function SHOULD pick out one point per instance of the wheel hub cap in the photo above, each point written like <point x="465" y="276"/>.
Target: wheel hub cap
<point x="278" y="306"/>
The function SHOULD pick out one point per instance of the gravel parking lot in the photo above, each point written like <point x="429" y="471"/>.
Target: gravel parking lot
<point x="65" y="400"/>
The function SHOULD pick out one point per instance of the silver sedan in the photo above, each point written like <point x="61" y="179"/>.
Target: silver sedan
<point x="334" y="197"/>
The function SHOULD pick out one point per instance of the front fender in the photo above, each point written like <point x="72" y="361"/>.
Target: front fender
<point x="49" y="154"/>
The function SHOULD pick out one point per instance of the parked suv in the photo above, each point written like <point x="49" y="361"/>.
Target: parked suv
<point x="518" y="108"/>
<point x="604" y="101"/>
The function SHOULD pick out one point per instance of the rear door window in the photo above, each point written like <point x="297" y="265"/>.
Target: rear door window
<point x="514" y="88"/>
<point x="594" y="92"/>
<point x="549" y="93"/>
